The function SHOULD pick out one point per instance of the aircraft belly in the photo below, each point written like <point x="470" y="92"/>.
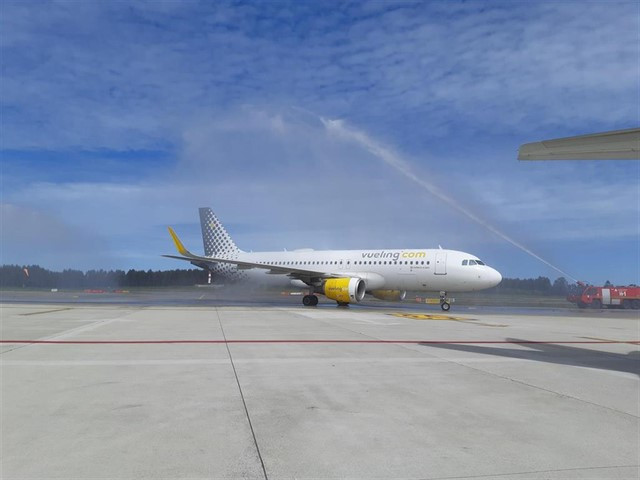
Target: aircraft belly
<point x="407" y="280"/>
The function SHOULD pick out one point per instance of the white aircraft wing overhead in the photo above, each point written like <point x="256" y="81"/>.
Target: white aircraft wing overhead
<point x="302" y="274"/>
<point x="613" y="145"/>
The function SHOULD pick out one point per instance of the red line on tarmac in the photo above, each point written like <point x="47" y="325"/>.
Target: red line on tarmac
<point x="434" y="342"/>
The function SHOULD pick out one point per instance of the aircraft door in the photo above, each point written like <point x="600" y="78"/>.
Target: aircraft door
<point x="441" y="263"/>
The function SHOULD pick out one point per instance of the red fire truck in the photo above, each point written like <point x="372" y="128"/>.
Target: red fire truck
<point x="611" y="297"/>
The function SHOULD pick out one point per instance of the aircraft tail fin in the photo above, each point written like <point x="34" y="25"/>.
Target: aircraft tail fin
<point x="217" y="242"/>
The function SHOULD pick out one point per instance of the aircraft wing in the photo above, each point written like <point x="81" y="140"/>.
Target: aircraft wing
<point x="613" y="145"/>
<point x="298" y="273"/>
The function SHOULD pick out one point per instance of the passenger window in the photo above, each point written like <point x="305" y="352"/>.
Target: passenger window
<point x="464" y="262"/>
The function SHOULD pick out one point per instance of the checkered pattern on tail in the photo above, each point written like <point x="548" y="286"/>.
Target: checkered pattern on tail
<point x="218" y="243"/>
<point x="215" y="238"/>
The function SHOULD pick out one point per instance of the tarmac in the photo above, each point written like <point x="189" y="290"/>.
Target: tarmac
<point x="125" y="387"/>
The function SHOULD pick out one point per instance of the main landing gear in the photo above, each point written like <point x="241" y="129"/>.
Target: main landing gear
<point x="444" y="302"/>
<point x="310" y="300"/>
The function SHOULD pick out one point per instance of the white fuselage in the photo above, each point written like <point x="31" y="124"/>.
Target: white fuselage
<point x="405" y="269"/>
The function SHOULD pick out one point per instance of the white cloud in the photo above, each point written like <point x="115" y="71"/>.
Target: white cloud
<point x="101" y="75"/>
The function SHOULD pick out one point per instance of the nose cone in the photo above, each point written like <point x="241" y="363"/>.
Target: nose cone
<point x="493" y="277"/>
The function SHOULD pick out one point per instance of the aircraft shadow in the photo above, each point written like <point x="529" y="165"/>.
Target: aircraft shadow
<point x="554" y="353"/>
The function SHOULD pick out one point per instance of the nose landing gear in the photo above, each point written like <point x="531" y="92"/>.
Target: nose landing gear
<point x="445" y="304"/>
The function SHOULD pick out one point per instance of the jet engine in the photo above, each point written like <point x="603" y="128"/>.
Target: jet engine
<point x="344" y="290"/>
<point x="389" y="295"/>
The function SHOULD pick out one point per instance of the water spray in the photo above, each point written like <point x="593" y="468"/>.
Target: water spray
<point x="396" y="161"/>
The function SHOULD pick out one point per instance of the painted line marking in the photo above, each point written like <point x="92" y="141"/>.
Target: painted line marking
<point x="433" y="342"/>
<point x="630" y="342"/>
<point x="251" y="361"/>
<point x="430" y="316"/>
<point x="426" y="316"/>
<point x="45" y="311"/>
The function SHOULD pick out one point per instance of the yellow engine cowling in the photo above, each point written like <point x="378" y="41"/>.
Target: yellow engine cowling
<point x="390" y="295"/>
<point x="344" y="290"/>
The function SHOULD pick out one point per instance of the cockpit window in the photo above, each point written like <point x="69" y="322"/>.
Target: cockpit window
<point x="464" y="262"/>
<point x="472" y="262"/>
<point x="479" y="262"/>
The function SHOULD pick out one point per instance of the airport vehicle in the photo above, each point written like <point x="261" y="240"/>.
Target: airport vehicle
<point x="341" y="275"/>
<point x="598" y="297"/>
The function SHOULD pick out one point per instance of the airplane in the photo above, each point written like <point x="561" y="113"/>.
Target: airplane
<point x="612" y="145"/>
<point x="341" y="275"/>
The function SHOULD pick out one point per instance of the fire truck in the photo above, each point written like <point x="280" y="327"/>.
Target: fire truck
<point x="611" y="297"/>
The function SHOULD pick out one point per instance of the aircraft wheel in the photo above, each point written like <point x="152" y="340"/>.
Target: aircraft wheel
<point x="307" y="300"/>
<point x="445" y="306"/>
<point x="314" y="300"/>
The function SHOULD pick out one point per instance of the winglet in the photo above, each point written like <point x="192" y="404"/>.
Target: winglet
<point x="178" y="243"/>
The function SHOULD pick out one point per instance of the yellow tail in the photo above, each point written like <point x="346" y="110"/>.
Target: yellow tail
<point x="178" y="243"/>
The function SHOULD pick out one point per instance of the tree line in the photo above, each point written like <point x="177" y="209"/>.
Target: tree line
<point x="34" y="276"/>
<point x="540" y="285"/>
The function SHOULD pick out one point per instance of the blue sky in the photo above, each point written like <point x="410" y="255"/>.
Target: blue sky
<point x="120" y="118"/>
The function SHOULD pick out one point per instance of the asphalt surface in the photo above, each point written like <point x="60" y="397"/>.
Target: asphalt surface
<point x="190" y="385"/>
